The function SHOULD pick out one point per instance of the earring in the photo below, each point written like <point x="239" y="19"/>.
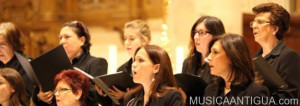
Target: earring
<point x="153" y="79"/>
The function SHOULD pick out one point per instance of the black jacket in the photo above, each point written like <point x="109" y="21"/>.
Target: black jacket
<point x="286" y="62"/>
<point x="172" y="98"/>
<point x="126" y="67"/>
<point x="91" y="65"/>
<point x="202" y="71"/>
<point x="15" y="64"/>
<point x="250" y="90"/>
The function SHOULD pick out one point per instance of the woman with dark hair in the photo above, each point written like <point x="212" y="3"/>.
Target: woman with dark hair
<point x="230" y="60"/>
<point x="153" y="71"/>
<point x="12" y="88"/>
<point x="72" y="88"/>
<point x="75" y="38"/>
<point x="10" y="41"/>
<point x="203" y="31"/>
<point x="270" y="25"/>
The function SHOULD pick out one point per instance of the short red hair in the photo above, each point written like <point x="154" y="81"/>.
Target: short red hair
<point x="76" y="80"/>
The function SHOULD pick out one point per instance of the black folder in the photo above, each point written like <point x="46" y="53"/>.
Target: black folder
<point x="121" y="80"/>
<point x="270" y="76"/>
<point x="192" y="85"/>
<point x="27" y="67"/>
<point x="48" y="65"/>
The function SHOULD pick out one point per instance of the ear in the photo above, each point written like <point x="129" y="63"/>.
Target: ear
<point x="275" y="29"/>
<point x="82" y="39"/>
<point x="78" y="95"/>
<point x="13" y="90"/>
<point x="156" y="68"/>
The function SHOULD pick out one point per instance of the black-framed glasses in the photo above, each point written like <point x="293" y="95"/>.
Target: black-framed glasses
<point x="259" y="22"/>
<point x="60" y="90"/>
<point x="201" y="33"/>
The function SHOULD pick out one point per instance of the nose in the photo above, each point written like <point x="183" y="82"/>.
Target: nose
<point x="196" y="36"/>
<point x="62" y="41"/>
<point x="133" y="65"/>
<point x="126" y="42"/>
<point x="208" y="58"/>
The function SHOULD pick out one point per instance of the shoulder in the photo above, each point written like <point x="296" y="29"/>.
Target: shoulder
<point x="257" y="90"/>
<point x="171" y="98"/>
<point x="97" y="60"/>
<point x="124" y="66"/>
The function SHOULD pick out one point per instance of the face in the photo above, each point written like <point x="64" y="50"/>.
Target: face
<point x="64" y="95"/>
<point x="142" y="68"/>
<point x="6" y="50"/>
<point x="6" y="90"/>
<point x="132" y="40"/>
<point x="219" y="63"/>
<point x="71" y="42"/>
<point x="262" y="28"/>
<point x="202" y="39"/>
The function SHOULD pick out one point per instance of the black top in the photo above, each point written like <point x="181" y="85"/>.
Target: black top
<point x="106" y="101"/>
<point x="286" y="62"/>
<point x="172" y="98"/>
<point x="202" y="71"/>
<point x="15" y="64"/>
<point x="126" y="67"/>
<point x="249" y="91"/>
<point x="91" y="65"/>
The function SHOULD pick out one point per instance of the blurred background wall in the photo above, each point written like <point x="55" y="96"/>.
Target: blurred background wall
<point x="170" y="22"/>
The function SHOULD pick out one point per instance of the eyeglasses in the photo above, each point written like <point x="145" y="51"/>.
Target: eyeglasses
<point x="201" y="33"/>
<point x="60" y="90"/>
<point x="259" y="22"/>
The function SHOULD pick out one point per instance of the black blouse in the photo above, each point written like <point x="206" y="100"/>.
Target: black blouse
<point x="172" y="98"/>
<point x="286" y="62"/>
<point x="247" y="92"/>
<point x="15" y="64"/>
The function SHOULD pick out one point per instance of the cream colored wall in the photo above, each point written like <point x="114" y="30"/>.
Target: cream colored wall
<point x="181" y="14"/>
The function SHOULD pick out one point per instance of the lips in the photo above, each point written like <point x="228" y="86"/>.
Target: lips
<point x="254" y="33"/>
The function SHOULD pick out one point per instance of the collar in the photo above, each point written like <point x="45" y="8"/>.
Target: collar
<point x="275" y="51"/>
<point x="78" y="57"/>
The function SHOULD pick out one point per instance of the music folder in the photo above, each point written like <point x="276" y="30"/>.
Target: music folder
<point x="27" y="67"/>
<point x="270" y="76"/>
<point x="121" y="80"/>
<point x="192" y="85"/>
<point x="48" y="65"/>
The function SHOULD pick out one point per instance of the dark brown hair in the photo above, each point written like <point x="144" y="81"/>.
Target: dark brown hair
<point x="81" y="30"/>
<point x="279" y="17"/>
<point x="214" y="26"/>
<point x="12" y="35"/>
<point x="237" y="50"/>
<point x="16" y="82"/>
<point x="164" y="79"/>
<point x="77" y="81"/>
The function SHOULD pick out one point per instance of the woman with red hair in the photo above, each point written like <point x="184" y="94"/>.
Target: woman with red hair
<point x="72" y="88"/>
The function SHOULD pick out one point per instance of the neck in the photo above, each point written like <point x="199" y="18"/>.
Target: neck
<point x="76" y="55"/>
<point x="268" y="46"/>
<point x="5" y="103"/>
<point x="147" y="91"/>
<point x="77" y="103"/>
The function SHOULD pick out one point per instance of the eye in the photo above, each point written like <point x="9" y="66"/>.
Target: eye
<point x="140" y="60"/>
<point x="132" y="38"/>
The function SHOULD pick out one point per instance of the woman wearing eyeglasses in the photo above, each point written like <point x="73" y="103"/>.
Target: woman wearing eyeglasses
<point x="270" y="24"/>
<point x="203" y="31"/>
<point x="72" y="88"/>
<point x="75" y="38"/>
